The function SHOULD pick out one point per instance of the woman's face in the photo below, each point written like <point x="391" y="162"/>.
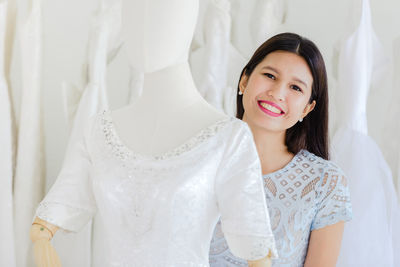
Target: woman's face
<point x="276" y="95"/>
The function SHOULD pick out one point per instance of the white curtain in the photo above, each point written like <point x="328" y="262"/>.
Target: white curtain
<point x="30" y="168"/>
<point x="367" y="239"/>
<point x="7" y="252"/>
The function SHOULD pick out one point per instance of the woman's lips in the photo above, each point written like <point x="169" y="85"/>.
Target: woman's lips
<point x="270" y="108"/>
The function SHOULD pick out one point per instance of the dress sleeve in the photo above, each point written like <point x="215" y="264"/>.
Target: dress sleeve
<point x="334" y="205"/>
<point x="241" y="199"/>
<point x="70" y="202"/>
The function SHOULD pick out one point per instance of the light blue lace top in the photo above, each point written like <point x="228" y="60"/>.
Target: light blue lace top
<point x="308" y="193"/>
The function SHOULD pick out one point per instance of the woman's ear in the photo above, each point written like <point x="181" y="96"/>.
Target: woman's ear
<point x="309" y="108"/>
<point x="243" y="82"/>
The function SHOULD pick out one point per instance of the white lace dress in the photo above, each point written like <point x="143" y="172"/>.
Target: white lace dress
<point x="162" y="210"/>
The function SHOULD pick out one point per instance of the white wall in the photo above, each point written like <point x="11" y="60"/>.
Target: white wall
<point x="66" y="27"/>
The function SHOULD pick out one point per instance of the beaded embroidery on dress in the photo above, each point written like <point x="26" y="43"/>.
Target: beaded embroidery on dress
<point x="162" y="210"/>
<point x="308" y="193"/>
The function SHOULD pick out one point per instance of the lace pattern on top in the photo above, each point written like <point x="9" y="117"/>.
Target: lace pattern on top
<point x="307" y="194"/>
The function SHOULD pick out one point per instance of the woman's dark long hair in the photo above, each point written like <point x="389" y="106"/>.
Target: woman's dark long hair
<point x="312" y="133"/>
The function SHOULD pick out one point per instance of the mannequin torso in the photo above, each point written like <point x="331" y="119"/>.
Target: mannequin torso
<point x="153" y="124"/>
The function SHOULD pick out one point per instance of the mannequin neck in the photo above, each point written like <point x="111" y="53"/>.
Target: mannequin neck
<point x="173" y="87"/>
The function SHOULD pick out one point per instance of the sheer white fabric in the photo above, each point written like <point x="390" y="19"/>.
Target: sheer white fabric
<point x="161" y="210"/>
<point x="7" y="252"/>
<point x="368" y="238"/>
<point x="29" y="183"/>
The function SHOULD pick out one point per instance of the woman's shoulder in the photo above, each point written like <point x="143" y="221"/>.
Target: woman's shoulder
<point x="330" y="180"/>
<point x="319" y="164"/>
<point x="331" y="190"/>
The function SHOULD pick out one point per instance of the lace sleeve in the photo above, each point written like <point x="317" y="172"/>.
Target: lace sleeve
<point x="334" y="205"/>
<point x="70" y="203"/>
<point x="241" y="199"/>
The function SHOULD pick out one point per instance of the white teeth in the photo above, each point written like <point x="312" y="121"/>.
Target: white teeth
<point x="270" y="108"/>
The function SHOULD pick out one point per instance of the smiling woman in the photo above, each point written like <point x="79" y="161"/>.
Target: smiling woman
<point x="283" y="97"/>
<point x="288" y="96"/>
<point x="303" y="63"/>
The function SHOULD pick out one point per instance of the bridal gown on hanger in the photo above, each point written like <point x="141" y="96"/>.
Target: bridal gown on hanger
<point x="86" y="248"/>
<point x="7" y="253"/>
<point x="209" y="61"/>
<point x="368" y="238"/>
<point x="29" y="180"/>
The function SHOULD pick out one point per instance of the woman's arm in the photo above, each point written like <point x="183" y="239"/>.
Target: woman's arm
<point x="324" y="246"/>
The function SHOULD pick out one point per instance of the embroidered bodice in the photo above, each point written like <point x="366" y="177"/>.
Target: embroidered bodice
<point x="162" y="210"/>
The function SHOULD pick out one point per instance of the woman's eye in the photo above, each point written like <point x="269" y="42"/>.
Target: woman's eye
<point x="269" y="75"/>
<point x="295" y="87"/>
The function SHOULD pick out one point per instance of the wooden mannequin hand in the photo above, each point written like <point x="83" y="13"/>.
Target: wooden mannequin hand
<point x="41" y="233"/>
<point x="264" y="262"/>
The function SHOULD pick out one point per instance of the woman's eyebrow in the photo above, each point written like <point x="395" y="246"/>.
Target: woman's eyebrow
<point x="276" y="71"/>
<point x="270" y="68"/>
<point x="300" y="81"/>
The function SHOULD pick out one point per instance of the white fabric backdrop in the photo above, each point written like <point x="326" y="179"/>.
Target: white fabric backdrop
<point x="7" y="252"/>
<point x="29" y="181"/>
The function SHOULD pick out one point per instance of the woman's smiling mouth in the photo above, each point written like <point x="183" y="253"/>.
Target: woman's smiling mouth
<point x="270" y="108"/>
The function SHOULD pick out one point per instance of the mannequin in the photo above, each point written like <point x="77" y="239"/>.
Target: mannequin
<point x="151" y="125"/>
<point x="158" y="36"/>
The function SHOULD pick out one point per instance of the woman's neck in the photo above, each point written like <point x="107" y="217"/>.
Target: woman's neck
<point x="271" y="148"/>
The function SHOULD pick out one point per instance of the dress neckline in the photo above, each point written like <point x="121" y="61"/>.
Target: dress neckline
<point x="123" y="151"/>
<point x="286" y="167"/>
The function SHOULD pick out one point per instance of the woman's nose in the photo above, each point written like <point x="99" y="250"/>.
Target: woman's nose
<point x="277" y="92"/>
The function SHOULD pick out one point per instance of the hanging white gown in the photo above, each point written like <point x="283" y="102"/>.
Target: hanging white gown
<point x="7" y="252"/>
<point x="367" y="239"/>
<point x="254" y="21"/>
<point x="85" y="248"/>
<point x="29" y="183"/>
<point x="209" y="62"/>
<point x="396" y="110"/>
